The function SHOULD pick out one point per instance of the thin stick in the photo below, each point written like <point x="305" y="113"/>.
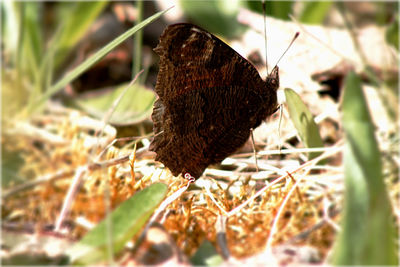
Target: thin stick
<point x="67" y="173"/>
<point x="274" y="227"/>
<point x="42" y="179"/>
<point x="297" y="189"/>
<point x="76" y="182"/>
<point x="215" y="201"/>
<point x="261" y="191"/>
<point x="254" y="148"/>
<point x="220" y="227"/>
<point x="114" y="105"/>
<point x="166" y="202"/>
<point x="287" y="151"/>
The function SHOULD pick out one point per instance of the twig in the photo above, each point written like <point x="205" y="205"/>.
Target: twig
<point x="66" y="173"/>
<point x="168" y="201"/>
<point x="114" y="105"/>
<point x="76" y="182"/>
<point x="254" y="147"/>
<point x="327" y="154"/>
<point x="29" y="130"/>
<point x="43" y="179"/>
<point x="328" y="215"/>
<point x="207" y="188"/>
<point x="303" y="235"/>
<point x="274" y="227"/>
<point x="220" y="226"/>
<point x="284" y="151"/>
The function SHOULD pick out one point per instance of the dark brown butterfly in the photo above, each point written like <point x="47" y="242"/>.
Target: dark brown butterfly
<point x="209" y="99"/>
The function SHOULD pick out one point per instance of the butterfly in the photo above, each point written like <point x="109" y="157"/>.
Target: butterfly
<point x="209" y="99"/>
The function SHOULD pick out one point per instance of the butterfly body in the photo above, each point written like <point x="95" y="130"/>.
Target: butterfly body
<point x="209" y="99"/>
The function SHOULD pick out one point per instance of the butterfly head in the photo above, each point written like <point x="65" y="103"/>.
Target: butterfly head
<point x="273" y="79"/>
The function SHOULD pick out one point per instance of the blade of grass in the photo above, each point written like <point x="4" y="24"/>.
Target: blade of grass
<point x="368" y="235"/>
<point x="93" y="59"/>
<point x="138" y="38"/>
<point x="33" y="39"/>
<point x="33" y="48"/>
<point x="46" y="70"/>
<point x="76" y="18"/>
<point x="19" y="11"/>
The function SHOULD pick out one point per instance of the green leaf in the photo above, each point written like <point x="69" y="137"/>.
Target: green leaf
<point x="135" y="106"/>
<point x="368" y="235"/>
<point x="124" y="222"/>
<point x="303" y="122"/>
<point x="314" y="12"/>
<point x="76" y="17"/>
<point x="69" y="77"/>
<point x="206" y="255"/>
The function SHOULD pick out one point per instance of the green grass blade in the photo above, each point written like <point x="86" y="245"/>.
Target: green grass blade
<point x="303" y="122"/>
<point x="95" y="58"/>
<point x="33" y="48"/>
<point x="126" y="220"/>
<point x="33" y="39"/>
<point x="138" y="41"/>
<point x="76" y="17"/>
<point x="368" y="235"/>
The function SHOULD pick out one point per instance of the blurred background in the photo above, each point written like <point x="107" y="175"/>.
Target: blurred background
<point x="64" y="66"/>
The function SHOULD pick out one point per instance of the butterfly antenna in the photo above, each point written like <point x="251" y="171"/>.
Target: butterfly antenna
<point x="254" y="147"/>
<point x="294" y="38"/>
<point x="265" y="34"/>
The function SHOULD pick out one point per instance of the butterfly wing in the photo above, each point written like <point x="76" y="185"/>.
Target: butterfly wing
<point x="191" y="56"/>
<point x="209" y="98"/>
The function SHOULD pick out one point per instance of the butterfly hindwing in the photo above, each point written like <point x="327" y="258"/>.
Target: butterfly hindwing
<point x="209" y="98"/>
